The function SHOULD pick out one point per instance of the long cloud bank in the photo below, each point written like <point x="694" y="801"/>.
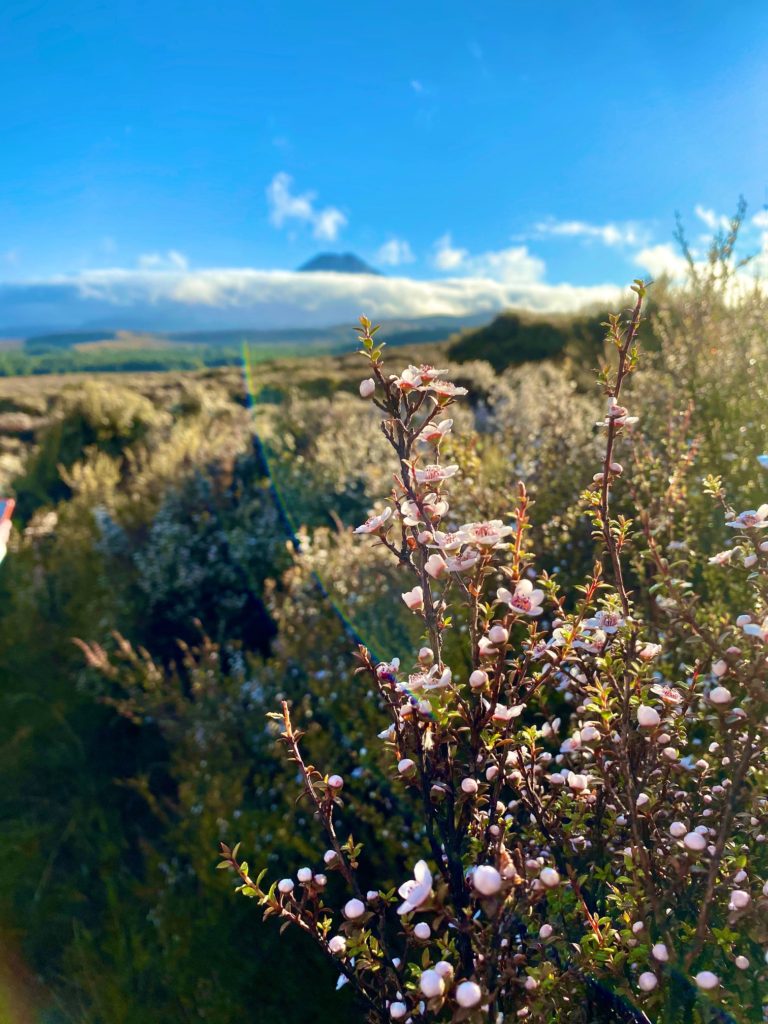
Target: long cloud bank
<point x="168" y="299"/>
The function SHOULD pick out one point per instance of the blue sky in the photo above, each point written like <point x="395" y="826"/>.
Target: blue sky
<point x="535" y="142"/>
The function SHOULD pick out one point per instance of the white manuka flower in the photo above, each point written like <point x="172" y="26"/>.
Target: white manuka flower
<point x="758" y="629"/>
<point x="464" y="562"/>
<point x="592" y="642"/>
<point x="434" y="433"/>
<point x="752" y="519"/>
<point x="608" y="621"/>
<point x="435" y="474"/>
<point x="668" y="694"/>
<point x="449" y="543"/>
<point x="416" y="890"/>
<point x="375" y="523"/>
<point x="488" y="534"/>
<point x="525" y="600"/>
<point x="723" y="557"/>
<point x="409" y="380"/>
<point x="445" y="389"/>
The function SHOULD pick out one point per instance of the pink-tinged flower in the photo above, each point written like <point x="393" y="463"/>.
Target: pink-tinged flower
<point x="375" y="523"/>
<point x="411" y="514"/>
<point x="428" y="373"/>
<point x="464" y="562"/>
<point x="434" y="679"/>
<point x="649" y="651"/>
<point x="485" y="648"/>
<point x="445" y="389"/>
<point x="578" y="783"/>
<point x="752" y="519"/>
<point x="487" y="534"/>
<point x="387" y="671"/>
<point x="435" y="474"/>
<point x="501" y="713"/>
<point x="436" y="566"/>
<point x="758" y="629"/>
<point x="608" y="621"/>
<point x="416" y="890"/>
<point x="367" y="387"/>
<point x="414" y="599"/>
<point x="525" y="600"/>
<point x="668" y="694"/>
<point x="618" y="415"/>
<point x="723" y="557"/>
<point x="434" y="433"/>
<point x="409" y="380"/>
<point x="592" y="642"/>
<point x="449" y="542"/>
<point x="435" y="505"/>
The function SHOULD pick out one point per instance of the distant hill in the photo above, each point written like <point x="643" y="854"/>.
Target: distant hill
<point x="339" y="263"/>
<point x="515" y="337"/>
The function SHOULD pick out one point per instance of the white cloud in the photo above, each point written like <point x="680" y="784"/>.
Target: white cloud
<point x="417" y="86"/>
<point x="608" y="234"/>
<point x="284" y="206"/>
<point x="760" y="219"/>
<point x="237" y="296"/>
<point x="394" y="253"/>
<point x="662" y="259"/>
<point x="714" y="221"/>
<point x="514" y="265"/>
<point x="447" y="257"/>
<point x="170" y="260"/>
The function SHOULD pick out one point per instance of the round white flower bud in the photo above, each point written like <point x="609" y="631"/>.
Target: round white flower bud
<point x="647" y="981"/>
<point x="720" y="695"/>
<point x="720" y="667"/>
<point x="444" y="969"/>
<point x="549" y="877"/>
<point x="642" y="800"/>
<point x="329" y="856"/>
<point x="337" y="945"/>
<point x="660" y="952"/>
<point x="498" y="635"/>
<point x="304" y="875"/>
<point x="397" y="1010"/>
<point x="695" y="841"/>
<point x="491" y="772"/>
<point x="486" y="879"/>
<point x="321" y="880"/>
<point x="468" y="786"/>
<point x="740" y="898"/>
<point x="405" y="765"/>
<point x="707" y="980"/>
<point x="285" y="885"/>
<point x="468" y="994"/>
<point x="648" y="717"/>
<point x="426" y="655"/>
<point x="545" y="932"/>
<point x="742" y="963"/>
<point x="422" y="931"/>
<point x="335" y="782"/>
<point x="353" y="909"/>
<point x="367" y="387"/>
<point x="637" y="927"/>
<point x="431" y="984"/>
<point x="678" y="829"/>
<point x="530" y="984"/>
<point x="372" y="895"/>
<point x="478" y="679"/>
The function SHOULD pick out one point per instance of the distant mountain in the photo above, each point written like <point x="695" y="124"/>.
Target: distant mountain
<point x="339" y="263"/>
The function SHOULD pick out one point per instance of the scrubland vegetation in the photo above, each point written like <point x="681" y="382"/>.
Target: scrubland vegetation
<point x="185" y="562"/>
